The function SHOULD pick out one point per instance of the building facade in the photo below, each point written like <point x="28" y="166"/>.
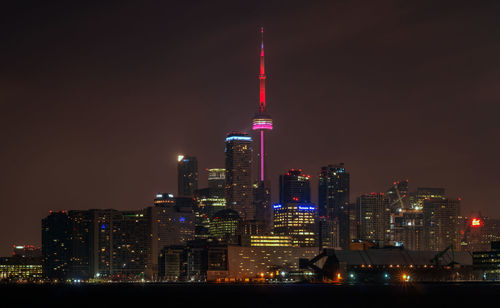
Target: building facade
<point x="56" y="245"/>
<point x="187" y="175"/>
<point x="374" y="215"/>
<point x="441" y="228"/>
<point x="333" y="204"/>
<point x="225" y="226"/>
<point x="238" y="188"/>
<point x="295" y="186"/>
<point x="297" y="220"/>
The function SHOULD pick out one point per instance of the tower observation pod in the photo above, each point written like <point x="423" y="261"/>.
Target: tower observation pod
<point x="262" y="121"/>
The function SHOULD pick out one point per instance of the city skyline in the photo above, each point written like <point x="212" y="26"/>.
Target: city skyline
<point x="88" y="143"/>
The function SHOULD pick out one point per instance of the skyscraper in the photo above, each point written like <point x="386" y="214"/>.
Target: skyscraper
<point x="374" y="214"/>
<point x="333" y="204"/>
<point x="175" y="223"/>
<point x="295" y="186"/>
<point x="225" y="226"/>
<point x="295" y="215"/>
<point x="187" y="175"/>
<point x="217" y="182"/>
<point x="407" y="229"/>
<point x="238" y="175"/>
<point x="210" y="200"/>
<point x="134" y="245"/>
<point x="441" y="228"/>
<point x="56" y="245"/>
<point x="297" y="220"/>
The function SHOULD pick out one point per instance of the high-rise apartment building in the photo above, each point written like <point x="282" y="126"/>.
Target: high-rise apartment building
<point x="406" y="229"/>
<point x="106" y="244"/>
<point x="135" y="253"/>
<point x="441" y="228"/>
<point x="374" y="215"/>
<point x="56" y="245"/>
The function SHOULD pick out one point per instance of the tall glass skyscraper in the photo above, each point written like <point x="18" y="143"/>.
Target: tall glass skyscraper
<point x="238" y="175"/>
<point x="295" y="186"/>
<point x="333" y="204"/>
<point x="187" y="173"/>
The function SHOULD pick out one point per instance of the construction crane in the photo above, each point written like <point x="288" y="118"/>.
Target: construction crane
<point x="329" y="269"/>
<point x="440" y="254"/>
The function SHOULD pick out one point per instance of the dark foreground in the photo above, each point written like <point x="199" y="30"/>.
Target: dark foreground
<point x="257" y="296"/>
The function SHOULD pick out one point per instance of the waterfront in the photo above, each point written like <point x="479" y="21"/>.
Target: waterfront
<point x="240" y="295"/>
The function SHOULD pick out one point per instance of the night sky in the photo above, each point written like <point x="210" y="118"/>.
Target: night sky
<point x="98" y="98"/>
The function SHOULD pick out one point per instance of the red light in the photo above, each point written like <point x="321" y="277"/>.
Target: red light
<point x="476" y="222"/>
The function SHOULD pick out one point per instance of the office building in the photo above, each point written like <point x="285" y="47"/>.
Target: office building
<point x="238" y="175"/>
<point x="175" y="220"/>
<point x="267" y="241"/>
<point x="172" y="263"/>
<point x="295" y="186"/>
<point x="487" y="263"/>
<point x="296" y="220"/>
<point x="25" y="265"/>
<point x="26" y="251"/>
<point x="217" y="181"/>
<point x="211" y="199"/>
<point x="225" y="226"/>
<point x="333" y="203"/>
<point x="187" y="175"/>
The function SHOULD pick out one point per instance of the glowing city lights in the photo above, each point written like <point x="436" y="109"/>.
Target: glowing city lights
<point x="238" y="138"/>
<point x="476" y="222"/>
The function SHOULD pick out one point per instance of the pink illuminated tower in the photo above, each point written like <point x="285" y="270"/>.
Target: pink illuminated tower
<point x="262" y="122"/>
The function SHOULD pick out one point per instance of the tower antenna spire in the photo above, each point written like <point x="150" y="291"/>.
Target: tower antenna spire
<point x="262" y="122"/>
<point x="262" y="75"/>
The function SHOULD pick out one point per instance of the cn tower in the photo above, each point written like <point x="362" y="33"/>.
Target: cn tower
<point x="262" y="122"/>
